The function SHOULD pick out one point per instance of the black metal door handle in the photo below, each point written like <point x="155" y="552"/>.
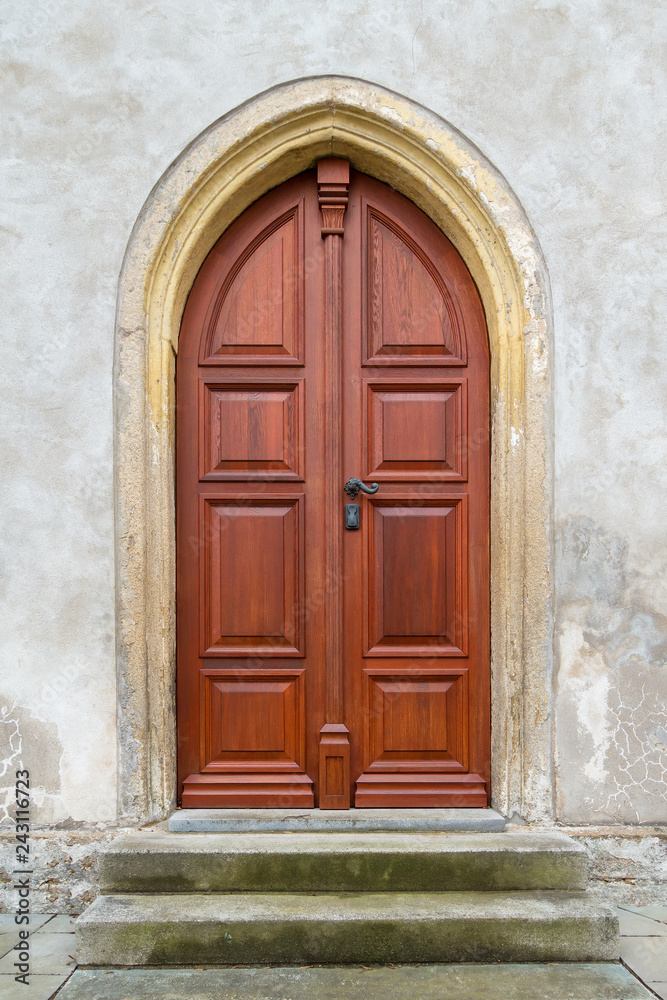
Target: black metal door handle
<point x="352" y="487"/>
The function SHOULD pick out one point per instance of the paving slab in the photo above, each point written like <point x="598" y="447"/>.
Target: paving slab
<point x="647" y="957"/>
<point x="8" y="923"/>
<point x="60" y="924"/>
<point x="653" y="911"/>
<point x="296" y="929"/>
<point x="49" y="954"/>
<point x="9" y="929"/>
<point x="633" y="924"/>
<point x="275" y="820"/>
<point x="38" y="988"/>
<point x="426" y="982"/>
<point x="7" y="942"/>
<point x="342" y="862"/>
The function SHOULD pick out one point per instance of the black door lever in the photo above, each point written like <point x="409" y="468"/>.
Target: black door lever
<point x="352" y="487"/>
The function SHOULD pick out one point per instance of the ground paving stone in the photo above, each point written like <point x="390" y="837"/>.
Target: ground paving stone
<point x="653" y="911"/>
<point x="38" y="988"/>
<point x="453" y="982"/>
<point x="60" y="924"/>
<point x="647" y="957"/>
<point x="50" y="954"/>
<point x="632" y="924"/>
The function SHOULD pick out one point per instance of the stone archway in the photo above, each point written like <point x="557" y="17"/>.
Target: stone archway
<point x="252" y="149"/>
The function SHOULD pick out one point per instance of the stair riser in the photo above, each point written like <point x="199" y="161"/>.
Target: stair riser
<point x="189" y="873"/>
<point x="305" y="942"/>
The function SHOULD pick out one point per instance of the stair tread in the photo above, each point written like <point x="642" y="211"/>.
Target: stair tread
<point x="300" y="928"/>
<point x="342" y="862"/>
<point x="344" y="843"/>
<point x="341" y="907"/>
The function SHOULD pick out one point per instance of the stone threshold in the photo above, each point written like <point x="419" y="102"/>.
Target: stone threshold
<point x="334" y="820"/>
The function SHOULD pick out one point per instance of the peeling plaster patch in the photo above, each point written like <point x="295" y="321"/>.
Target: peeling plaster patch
<point x="584" y="674"/>
<point x="10" y="748"/>
<point x="627" y="869"/>
<point x="658" y="739"/>
<point x="469" y="175"/>
<point x="65" y="869"/>
<point x="29" y="742"/>
<point x="612" y="675"/>
<point x="641" y="767"/>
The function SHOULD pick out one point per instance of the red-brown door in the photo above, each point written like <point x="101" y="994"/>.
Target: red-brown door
<point x="333" y="333"/>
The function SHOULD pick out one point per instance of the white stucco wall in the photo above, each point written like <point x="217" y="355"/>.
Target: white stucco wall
<point x="565" y="98"/>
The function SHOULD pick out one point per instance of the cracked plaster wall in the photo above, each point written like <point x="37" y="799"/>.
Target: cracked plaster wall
<point x="566" y="98"/>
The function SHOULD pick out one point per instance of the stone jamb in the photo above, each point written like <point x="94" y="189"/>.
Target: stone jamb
<point x="235" y="161"/>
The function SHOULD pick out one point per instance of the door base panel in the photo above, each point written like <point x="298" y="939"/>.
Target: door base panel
<point x="264" y="791"/>
<point x="416" y="790"/>
<point x="334" y="767"/>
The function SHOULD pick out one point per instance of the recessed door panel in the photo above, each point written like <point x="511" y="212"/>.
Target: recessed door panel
<point x="423" y="543"/>
<point x="419" y="718"/>
<point x="251" y="579"/>
<point x="253" y="719"/>
<point x="251" y="432"/>
<point x="417" y="432"/>
<point x="411" y="317"/>
<point x="255" y="314"/>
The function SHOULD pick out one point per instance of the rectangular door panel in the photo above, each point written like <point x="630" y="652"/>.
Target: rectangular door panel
<point x="252" y="581"/>
<point x="422" y="543"/>
<point x="417" y="432"/>
<point x="253" y="719"/>
<point x="251" y="432"/>
<point x="419" y="717"/>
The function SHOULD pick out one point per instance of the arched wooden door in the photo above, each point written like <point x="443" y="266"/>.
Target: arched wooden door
<point x="333" y="333"/>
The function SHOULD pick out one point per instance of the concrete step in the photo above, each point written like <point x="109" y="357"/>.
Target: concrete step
<point x="571" y="981"/>
<point x="294" y="929"/>
<point x="374" y="862"/>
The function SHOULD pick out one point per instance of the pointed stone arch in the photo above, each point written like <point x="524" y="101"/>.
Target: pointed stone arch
<point x="239" y="158"/>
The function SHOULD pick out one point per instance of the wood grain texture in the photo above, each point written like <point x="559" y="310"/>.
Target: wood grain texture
<point x="333" y="332"/>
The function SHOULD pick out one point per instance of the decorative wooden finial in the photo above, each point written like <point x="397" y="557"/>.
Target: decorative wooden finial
<point x="333" y="182"/>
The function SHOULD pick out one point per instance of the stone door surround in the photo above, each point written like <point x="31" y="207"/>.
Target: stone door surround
<point x="239" y="158"/>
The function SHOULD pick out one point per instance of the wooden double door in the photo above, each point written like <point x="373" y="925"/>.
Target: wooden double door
<point x="333" y="646"/>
